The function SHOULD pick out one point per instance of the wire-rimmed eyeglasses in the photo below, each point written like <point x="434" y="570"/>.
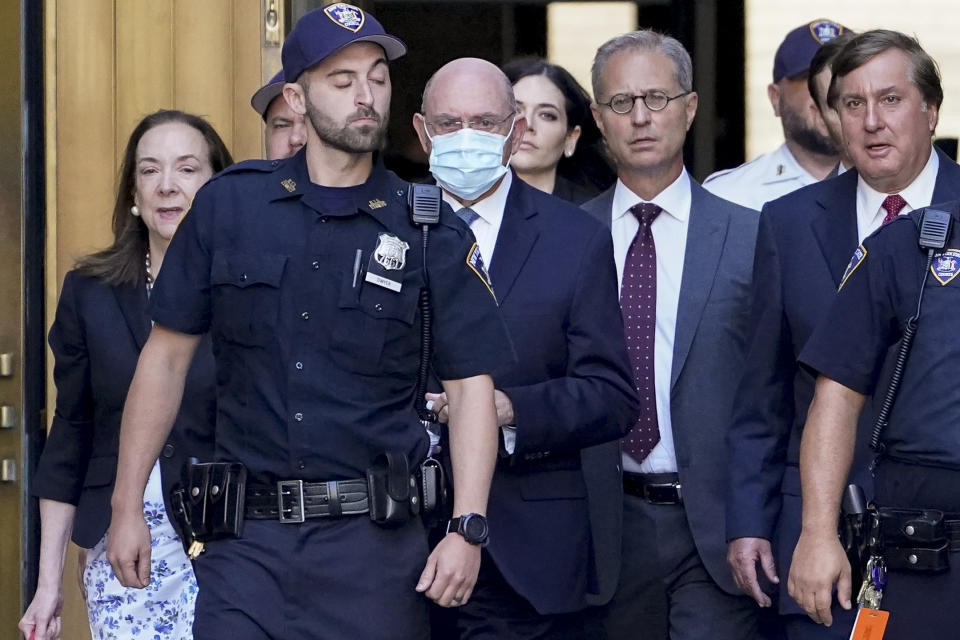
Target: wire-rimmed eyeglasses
<point x="488" y="124"/>
<point x="655" y="101"/>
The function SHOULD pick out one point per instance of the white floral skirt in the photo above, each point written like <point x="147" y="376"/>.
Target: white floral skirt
<point x="164" y="609"/>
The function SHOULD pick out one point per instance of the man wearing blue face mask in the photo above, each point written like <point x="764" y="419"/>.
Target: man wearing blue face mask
<point x="552" y="270"/>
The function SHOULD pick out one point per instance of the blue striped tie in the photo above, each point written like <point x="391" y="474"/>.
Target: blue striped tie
<point x="468" y="215"/>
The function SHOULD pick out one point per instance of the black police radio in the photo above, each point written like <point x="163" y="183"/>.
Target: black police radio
<point x="934" y="228"/>
<point x="424" y="202"/>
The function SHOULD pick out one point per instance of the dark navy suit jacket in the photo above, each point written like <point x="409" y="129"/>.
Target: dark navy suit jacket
<point x="709" y="348"/>
<point x="805" y="243"/>
<point x="96" y="340"/>
<point x="571" y="387"/>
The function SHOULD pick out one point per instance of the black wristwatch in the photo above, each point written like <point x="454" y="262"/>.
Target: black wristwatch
<point x="472" y="526"/>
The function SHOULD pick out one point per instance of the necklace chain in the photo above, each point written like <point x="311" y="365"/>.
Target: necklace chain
<point x="149" y="273"/>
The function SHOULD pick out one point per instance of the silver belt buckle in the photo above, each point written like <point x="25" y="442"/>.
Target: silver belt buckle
<point x="292" y="489"/>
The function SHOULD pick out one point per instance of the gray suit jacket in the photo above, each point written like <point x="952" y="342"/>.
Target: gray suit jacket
<point x="708" y="355"/>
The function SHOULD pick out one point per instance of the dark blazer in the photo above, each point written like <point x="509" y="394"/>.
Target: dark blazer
<point x="805" y="243"/>
<point x="571" y="387"/>
<point x="96" y="340"/>
<point x="708" y="352"/>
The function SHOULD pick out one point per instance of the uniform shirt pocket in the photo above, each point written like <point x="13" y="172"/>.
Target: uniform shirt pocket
<point x="374" y="334"/>
<point x="245" y="290"/>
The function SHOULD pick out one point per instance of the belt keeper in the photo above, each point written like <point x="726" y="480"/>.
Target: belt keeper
<point x="333" y="499"/>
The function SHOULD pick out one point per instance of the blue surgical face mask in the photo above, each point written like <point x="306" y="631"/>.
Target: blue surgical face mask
<point x="468" y="162"/>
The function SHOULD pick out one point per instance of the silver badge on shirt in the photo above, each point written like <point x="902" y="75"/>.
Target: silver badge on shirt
<point x="391" y="252"/>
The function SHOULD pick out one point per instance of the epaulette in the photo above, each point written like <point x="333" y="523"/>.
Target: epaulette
<point x="718" y="174"/>
<point x="250" y="166"/>
<point x="739" y="169"/>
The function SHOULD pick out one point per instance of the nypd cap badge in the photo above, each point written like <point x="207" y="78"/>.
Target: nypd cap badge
<point x="946" y="266"/>
<point x="345" y="15"/>
<point x="824" y="31"/>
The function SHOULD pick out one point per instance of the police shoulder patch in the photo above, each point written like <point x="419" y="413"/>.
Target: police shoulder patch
<point x="475" y="262"/>
<point x="858" y="257"/>
<point x="946" y="266"/>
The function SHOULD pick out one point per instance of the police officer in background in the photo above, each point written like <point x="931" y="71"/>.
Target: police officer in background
<point x="314" y="315"/>
<point x="919" y="464"/>
<point x="807" y="153"/>
<point x="818" y="83"/>
<point x="285" y="130"/>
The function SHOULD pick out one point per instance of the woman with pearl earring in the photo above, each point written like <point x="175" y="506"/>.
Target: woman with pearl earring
<point x="561" y="151"/>
<point x="102" y="322"/>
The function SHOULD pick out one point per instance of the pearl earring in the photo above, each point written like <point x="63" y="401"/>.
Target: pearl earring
<point x="135" y="211"/>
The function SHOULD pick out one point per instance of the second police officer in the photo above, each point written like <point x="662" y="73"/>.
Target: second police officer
<point x="917" y="474"/>
<point x="307" y="273"/>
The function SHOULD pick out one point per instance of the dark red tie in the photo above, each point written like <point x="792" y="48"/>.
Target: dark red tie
<point x="638" y="304"/>
<point x="893" y="205"/>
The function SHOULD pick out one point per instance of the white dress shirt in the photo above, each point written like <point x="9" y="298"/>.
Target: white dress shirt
<point x="919" y="194"/>
<point x="670" y="239"/>
<point x="490" y="210"/>
<point x="485" y="229"/>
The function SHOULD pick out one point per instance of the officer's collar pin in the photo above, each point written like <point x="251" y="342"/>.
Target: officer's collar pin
<point x="289" y="185"/>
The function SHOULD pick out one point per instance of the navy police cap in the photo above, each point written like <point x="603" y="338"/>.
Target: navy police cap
<point x="798" y="48"/>
<point x="321" y="32"/>
<point x="264" y="96"/>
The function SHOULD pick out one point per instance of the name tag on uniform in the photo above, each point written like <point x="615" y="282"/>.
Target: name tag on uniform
<point x="386" y="264"/>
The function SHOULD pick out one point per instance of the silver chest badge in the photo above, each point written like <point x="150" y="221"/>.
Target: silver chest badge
<point x="391" y="252"/>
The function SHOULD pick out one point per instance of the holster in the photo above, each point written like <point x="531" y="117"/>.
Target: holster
<point x="209" y="502"/>
<point x="913" y="539"/>
<point x="854" y="523"/>
<point x="392" y="490"/>
<point x="433" y="491"/>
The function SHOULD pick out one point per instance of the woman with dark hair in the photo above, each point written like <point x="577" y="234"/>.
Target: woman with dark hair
<point x="101" y="324"/>
<point x="561" y="151"/>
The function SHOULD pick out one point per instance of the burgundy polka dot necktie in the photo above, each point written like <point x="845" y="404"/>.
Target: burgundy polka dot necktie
<point x="893" y="205"/>
<point x="638" y="304"/>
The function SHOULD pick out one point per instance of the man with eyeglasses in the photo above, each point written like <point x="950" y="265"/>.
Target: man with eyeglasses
<point x="684" y="262"/>
<point x="551" y="268"/>
<point x="808" y="154"/>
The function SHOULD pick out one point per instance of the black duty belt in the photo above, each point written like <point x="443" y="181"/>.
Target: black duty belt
<point x="294" y="501"/>
<point x="655" y="488"/>
<point x="916" y="539"/>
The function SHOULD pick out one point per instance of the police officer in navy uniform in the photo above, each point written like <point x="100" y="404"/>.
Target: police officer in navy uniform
<point x="919" y="467"/>
<point x="284" y="130"/>
<point x="807" y="154"/>
<point x="307" y="273"/>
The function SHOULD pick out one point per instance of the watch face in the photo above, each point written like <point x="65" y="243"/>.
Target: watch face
<point x="475" y="528"/>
